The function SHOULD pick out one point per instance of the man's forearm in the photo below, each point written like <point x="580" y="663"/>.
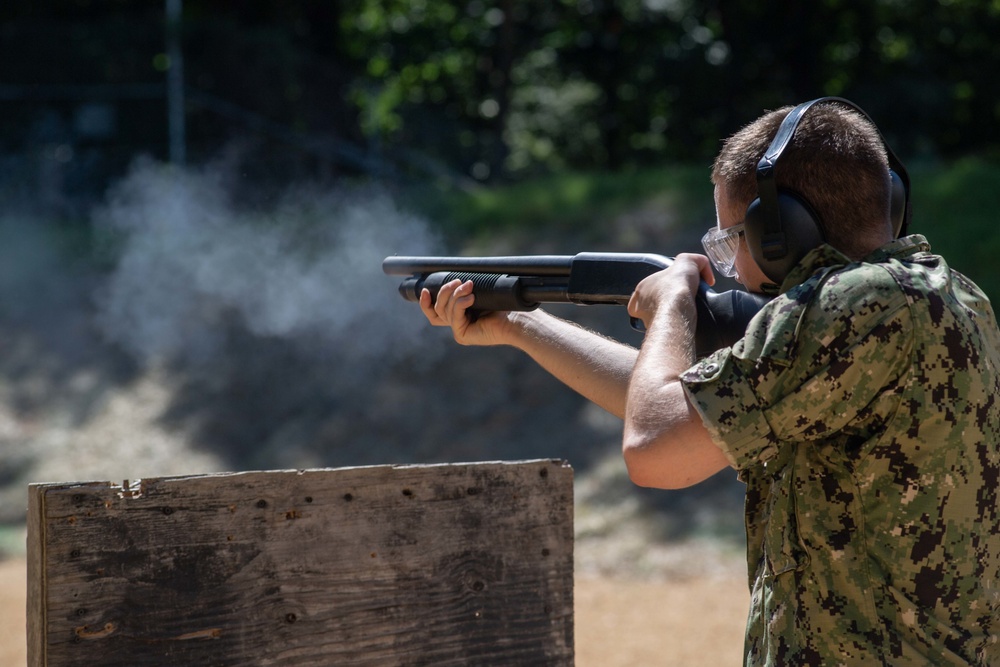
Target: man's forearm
<point x="596" y="367"/>
<point x="665" y="443"/>
<point x="667" y="351"/>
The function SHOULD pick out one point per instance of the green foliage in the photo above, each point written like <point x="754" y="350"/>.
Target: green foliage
<point x="494" y="87"/>
<point x="523" y="88"/>
<point x="505" y="88"/>
<point x="438" y="62"/>
<point x="956" y="207"/>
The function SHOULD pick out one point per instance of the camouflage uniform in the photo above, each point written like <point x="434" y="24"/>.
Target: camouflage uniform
<point x="862" y="410"/>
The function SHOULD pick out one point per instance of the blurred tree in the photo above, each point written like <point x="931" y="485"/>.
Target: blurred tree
<point x="439" y="73"/>
<point x="581" y="83"/>
<point x="502" y="88"/>
<point x="922" y="69"/>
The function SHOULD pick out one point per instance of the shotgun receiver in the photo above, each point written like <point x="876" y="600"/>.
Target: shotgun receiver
<point x="588" y="278"/>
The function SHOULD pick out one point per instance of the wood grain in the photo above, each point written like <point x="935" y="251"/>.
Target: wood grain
<point x="459" y="564"/>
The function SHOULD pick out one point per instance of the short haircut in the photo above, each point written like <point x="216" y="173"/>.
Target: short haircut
<point x="836" y="161"/>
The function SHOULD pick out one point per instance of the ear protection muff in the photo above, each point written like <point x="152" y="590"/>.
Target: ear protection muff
<point x="781" y="226"/>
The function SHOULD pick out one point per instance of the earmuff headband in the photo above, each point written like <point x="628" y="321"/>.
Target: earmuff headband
<point x="777" y="242"/>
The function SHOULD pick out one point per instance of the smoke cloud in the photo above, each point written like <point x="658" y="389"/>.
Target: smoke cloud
<point x="193" y="262"/>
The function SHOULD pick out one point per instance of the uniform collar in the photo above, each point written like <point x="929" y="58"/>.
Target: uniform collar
<point x="900" y="248"/>
<point x="826" y="256"/>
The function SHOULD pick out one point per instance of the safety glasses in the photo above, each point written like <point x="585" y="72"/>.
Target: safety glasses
<point x="720" y="246"/>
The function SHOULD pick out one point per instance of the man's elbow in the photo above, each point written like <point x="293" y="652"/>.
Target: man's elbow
<point x="671" y="460"/>
<point x="640" y="476"/>
<point x="649" y="466"/>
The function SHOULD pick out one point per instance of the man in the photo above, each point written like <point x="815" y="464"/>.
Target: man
<point x="861" y="408"/>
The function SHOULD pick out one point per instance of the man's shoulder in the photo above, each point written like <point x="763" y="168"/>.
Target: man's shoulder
<point x="858" y="282"/>
<point x="835" y="305"/>
<point x="852" y="289"/>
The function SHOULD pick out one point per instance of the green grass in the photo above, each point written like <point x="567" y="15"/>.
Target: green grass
<point x="569" y="202"/>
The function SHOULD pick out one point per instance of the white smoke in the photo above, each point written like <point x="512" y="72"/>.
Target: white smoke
<point x="308" y="268"/>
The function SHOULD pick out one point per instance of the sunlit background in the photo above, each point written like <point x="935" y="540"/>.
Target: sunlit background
<point x="197" y="196"/>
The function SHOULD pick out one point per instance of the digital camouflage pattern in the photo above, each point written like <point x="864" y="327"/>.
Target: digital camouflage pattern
<point x="861" y="410"/>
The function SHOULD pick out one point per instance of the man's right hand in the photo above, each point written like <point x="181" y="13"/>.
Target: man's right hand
<point x="663" y="287"/>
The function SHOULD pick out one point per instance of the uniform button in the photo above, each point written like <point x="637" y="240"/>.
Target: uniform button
<point x="709" y="369"/>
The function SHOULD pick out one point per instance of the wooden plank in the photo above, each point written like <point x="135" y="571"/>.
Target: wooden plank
<point x="463" y="564"/>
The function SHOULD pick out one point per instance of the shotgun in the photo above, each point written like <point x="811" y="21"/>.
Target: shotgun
<point x="587" y="278"/>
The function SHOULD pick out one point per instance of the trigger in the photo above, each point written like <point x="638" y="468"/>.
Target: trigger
<point x="637" y="324"/>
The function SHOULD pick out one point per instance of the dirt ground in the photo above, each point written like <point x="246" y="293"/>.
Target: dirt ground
<point x="619" y="623"/>
<point x="13" y="584"/>
<point x="689" y="623"/>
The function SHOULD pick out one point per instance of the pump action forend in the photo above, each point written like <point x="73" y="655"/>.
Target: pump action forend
<point x="588" y="278"/>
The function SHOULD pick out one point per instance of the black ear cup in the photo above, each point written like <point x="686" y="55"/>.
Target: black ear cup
<point x="777" y="253"/>
<point x="900" y="202"/>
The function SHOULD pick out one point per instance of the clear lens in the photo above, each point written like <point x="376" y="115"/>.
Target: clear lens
<point x="720" y="246"/>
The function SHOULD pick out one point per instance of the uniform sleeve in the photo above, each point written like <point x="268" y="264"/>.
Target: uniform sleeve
<point x="811" y="363"/>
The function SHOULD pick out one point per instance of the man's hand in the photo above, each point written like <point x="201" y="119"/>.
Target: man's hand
<point x="450" y="310"/>
<point x="682" y="277"/>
